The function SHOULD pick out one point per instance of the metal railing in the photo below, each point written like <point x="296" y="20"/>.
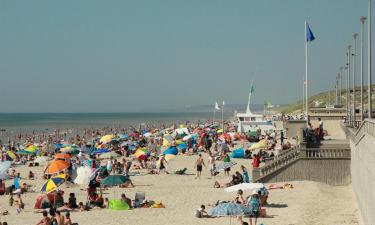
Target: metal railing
<point x="290" y="156"/>
<point x="366" y="127"/>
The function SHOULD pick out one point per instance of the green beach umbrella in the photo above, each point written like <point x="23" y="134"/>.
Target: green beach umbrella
<point x="108" y="155"/>
<point x="114" y="180"/>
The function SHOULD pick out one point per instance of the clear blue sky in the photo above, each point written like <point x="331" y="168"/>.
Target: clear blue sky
<point x="119" y="56"/>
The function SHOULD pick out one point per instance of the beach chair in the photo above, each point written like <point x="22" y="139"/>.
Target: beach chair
<point x="139" y="198"/>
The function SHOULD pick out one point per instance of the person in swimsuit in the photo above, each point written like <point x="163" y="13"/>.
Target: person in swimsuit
<point x="199" y="165"/>
<point x="162" y="162"/>
<point x="46" y="220"/>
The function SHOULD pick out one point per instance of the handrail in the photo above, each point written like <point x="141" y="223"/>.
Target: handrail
<point x="367" y="127"/>
<point x="294" y="154"/>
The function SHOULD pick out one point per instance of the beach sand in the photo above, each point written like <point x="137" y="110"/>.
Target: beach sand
<point x="308" y="203"/>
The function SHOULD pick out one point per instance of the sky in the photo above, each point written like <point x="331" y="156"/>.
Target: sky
<point x="157" y="55"/>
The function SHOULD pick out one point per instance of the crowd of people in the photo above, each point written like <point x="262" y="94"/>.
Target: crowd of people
<point x="86" y="149"/>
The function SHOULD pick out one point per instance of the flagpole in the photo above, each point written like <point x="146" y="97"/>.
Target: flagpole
<point x="222" y="115"/>
<point x="303" y="96"/>
<point x="213" y="121"/>
<point x="306" y="96"/>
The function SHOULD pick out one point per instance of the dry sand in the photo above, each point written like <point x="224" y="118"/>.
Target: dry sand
<point x="307" y="203"/>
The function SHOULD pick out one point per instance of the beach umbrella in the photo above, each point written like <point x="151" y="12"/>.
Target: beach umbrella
<point x="11" y="155"/>
<point x="24" y="152"/>
<point x="107" y="138"/>
<point x="83" y="175"/>
<point x="171" y="150"/>
<point x="238" y="153"/>
<point x="100" y="151"/>
<point x="229" y="209"/>
<point x="58" y="145"/>
<point x="108" y="155"/>
<point x="4" y="166"/>
<point x="140" y="154"/>
<point x="244" y="186"/>
<point x="31" y="148"/>
<point x="56" y="166"/>
<point x="69" y="149"/>
<point x="113" y="180"/>
<point x="62" y="156"/>
<point x="182" y="146"/>
<point x="225" y="165"/>
<point x="169" y="157"/>
<point x="53" y="183"/>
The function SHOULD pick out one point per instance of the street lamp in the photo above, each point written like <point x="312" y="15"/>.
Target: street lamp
<point x="353" y="75"/>
<point x="341" y="75"/>
<point x="369" y="62"/>
<point x="362" y="19"/>
<point x="348" y="104"/>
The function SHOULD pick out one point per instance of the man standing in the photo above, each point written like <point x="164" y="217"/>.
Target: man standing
<point x="321" y="131"/>
<point x="199" y="165"/>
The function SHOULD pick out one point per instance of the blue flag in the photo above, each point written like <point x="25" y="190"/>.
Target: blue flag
<point x="309" y="34"/>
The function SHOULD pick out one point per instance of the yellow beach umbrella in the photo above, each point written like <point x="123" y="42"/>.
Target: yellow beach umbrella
<point x="11" y="154"/>
<point x="107" y="138"/>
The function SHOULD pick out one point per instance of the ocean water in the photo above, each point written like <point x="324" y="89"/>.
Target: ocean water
<point x="46" y="121"/>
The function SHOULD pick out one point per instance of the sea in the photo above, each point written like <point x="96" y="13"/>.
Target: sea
<point x="48" y="121"/>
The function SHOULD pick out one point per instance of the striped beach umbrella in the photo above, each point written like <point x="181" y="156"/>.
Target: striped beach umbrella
<point x="140" y="154"/>
<point x="31" y="148"/>
<point x="229" y="209"/>
<point x="53" y="183"/>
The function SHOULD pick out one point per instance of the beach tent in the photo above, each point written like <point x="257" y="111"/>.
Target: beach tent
<point x="117" y="204"/>
<point x="42" y="202"/>
<point x="238" y="153"/>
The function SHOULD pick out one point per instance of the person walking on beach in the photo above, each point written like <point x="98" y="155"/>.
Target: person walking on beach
<point x="212" y="164"/>
<point x="162" y="163"/>
<point x="199" y="165"/>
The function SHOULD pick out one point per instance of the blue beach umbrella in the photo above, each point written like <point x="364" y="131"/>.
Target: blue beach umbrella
<point x="182" y="146"/>
<point x="229" y="209"/>
<point x="238" y="153"/>
<point x="101" y="151"/>
<point x="171" y="150"/>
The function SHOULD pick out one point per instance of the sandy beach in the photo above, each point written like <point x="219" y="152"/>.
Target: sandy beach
<point x="307" y="203"/>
